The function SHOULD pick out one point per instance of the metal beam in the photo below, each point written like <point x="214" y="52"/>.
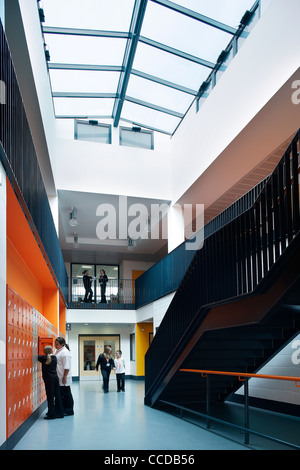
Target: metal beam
<point x="177" y="52"/>
<point x="88" y="67"/>
<point x="71" y="94"/>
<point x="146" y="126"/>
<point x="196" y="16"/>
<point x="161" y="81"/>
<point x="154" y="106"/>
<point x="85" y="32"/>
<point x="132" y="42"/>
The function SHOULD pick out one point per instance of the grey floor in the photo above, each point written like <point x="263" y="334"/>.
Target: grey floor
<point x="120" y="421"/>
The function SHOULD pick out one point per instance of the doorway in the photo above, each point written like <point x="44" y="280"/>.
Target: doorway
<point x="90" y="347"/>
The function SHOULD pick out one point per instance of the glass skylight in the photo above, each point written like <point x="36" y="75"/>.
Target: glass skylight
<point x="138" y="61"/>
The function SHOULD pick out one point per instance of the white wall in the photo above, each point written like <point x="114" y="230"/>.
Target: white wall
<point x="155" y="310"/>
<point x="286" y="363"/>
<point x="266" y="60"/>
<point x="79" y="329"/>
<point x="2" y="304"/>
<point x="113" y="322"/>
<point x="111" y="169"/>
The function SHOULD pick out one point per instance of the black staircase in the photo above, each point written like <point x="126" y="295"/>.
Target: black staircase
<point x="237" y="304"/>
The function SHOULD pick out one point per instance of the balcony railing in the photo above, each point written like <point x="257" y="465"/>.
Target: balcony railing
<point x="119" y="294"/>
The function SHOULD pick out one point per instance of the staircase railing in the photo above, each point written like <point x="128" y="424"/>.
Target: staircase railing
<point x="233" y="261"/>
<point x="244" y="378"/>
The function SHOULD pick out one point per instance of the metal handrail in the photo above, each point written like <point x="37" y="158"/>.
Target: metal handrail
<point x="246" y="375"/>
<point x="118" y="291"/>
<point x="242" y="376"/>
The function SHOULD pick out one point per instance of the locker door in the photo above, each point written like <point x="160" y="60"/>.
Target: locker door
<point x="30" y="318"/>
<point x="18" y="343"/>
<point x="10" y="307"/>
<point x="16" y="311"/>
<point x="10" y="377"/>
<point x="10" y="342"/>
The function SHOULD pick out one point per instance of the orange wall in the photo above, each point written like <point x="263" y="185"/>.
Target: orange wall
<point x="21" y="279"/>
<point x="142" y="345"/>
<point x="27" y="271"/>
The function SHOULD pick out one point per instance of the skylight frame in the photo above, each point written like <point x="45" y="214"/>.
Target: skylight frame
<point x="126" y="69"/>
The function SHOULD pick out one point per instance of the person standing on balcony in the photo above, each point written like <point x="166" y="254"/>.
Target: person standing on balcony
<point x="103" y="279"/>
<point x="87" y="282"/>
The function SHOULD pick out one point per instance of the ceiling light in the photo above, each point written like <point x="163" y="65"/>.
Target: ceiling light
<point x="73" y="217"/>
<point x="76" y="243"/>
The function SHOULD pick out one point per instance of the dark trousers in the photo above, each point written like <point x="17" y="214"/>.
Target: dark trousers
<point x="54" y="400"/>
<point x="105" y="375"/>
<point x="103" y="296"/>
<point x="67" y="399"/>
<point x="88" y="295"/>
<point x="121" y="382"/>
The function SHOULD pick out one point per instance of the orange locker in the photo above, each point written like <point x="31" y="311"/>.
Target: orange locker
<point x="12" y="414"/>
<point x="10" y="307"/>
<point x="25" y="316"/>
<point x="11" y="377"/>
<point x="16" y="311"/>
<point x="10" y="343"/>
<point x="30" y="318"/>
<point x="45" y="342"/>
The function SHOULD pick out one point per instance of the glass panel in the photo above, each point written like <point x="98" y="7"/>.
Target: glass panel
<point x="139" y="139"/>
<point x="169" y="67"/>
<point x="78" y="290"/>
<point x="67" y="49"/>
<point x="89" y="355"/>
<point x="229" y="12"/>
<point x="93" y="133"/>
<point x="90" y="14"/>
<point x="159" y="95"/>
<point x="83" y="106"/>
<point x="170" y="28"/>
<point x="149" y="117"/>
<point x="132" y="347"/>
<point x="111" y="291"/>
<point x="77" y="80"/>
<point x="112" y="344"/>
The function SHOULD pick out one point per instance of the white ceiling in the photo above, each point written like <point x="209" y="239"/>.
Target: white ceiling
<point x="94" y="249"/>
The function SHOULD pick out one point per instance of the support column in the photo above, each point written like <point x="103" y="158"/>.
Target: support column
<point x="175" y="227"/>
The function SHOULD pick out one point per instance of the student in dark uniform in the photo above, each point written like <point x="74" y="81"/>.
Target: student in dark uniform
<point x="87" y="282"/>
<point x="106" y="363"/>
<point x="103" y="280"/>
<point x="50" y="377"/>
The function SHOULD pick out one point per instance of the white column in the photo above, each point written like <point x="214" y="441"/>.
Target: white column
<point x="2" y="305"/>
<point x="175" y="227"/>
